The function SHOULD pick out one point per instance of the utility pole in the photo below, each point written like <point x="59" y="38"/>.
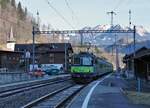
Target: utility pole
<point x="65" y="58"/>
<point x="81" y="39"/>
<point x="130" y="19"/>
<point x="138" y="77"/>
<point x="33" y="49"/>
<point x="128" y="49"/>
<point x="38" y="21"/>
<point x="35" y="28"/>
<point x="117" y="55"/>
<point x="112" y="13"/>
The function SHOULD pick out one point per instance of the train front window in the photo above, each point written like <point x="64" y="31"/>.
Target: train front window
<point x="76" y="61"/>
<point x="87" y="61"/>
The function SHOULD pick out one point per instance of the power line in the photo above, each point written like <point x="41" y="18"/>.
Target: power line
<point x="118" y="4"/>
<point x="72" y="12"/>
<point x="63" y="18"/>
<point x="129" y="2"/>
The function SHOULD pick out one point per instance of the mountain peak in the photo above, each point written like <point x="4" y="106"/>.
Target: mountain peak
<point x="141" y="30"/>
<point x="109" y="38"/>
<point x="101" y="27"/>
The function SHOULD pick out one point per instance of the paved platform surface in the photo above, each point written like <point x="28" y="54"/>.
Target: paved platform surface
<point x="104" y="93"/>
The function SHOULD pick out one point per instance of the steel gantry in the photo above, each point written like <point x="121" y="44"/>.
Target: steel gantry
<point x="81" y="32"/>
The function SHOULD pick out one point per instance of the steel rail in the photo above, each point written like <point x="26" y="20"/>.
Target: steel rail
<point x="22" y="89"/>
<point x="69" y="98"/>
<point x="35" y="102"/>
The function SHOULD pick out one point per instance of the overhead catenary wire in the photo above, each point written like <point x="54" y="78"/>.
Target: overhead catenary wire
<point x="59" y="14"/>
<point x="27" y="2"/>
<point x="118" y="4"/>
<point x="74" y="17"/>
<point x="129" y="2"/>
<point x="71" y="10"/>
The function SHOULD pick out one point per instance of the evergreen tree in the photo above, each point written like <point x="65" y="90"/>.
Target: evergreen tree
<point x="4" y="3"/>
<point x="13" y="3"/>
<point x="8" y="1"/>
<point x="25" y="12"/>
<point x="20" y="12"/>
<point x="19" y="8"/>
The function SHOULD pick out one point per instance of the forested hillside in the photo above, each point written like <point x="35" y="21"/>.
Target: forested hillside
<point x="16" y="17"/>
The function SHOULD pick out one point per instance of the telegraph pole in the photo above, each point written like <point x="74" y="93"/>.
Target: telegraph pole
<point x="112" y="13"/>
<point x="81" y="39"/>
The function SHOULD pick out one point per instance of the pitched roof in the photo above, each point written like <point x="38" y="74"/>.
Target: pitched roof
<point x="6" y="51"/>
<point x="138" y="46"/>
<point x="143" y="51"/>
<point x="50" y="47"/>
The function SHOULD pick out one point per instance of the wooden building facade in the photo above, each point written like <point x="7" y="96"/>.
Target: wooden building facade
<point x="49" y="53"/>
<point x="10" y="60"/>
<point x="139" y="63"/>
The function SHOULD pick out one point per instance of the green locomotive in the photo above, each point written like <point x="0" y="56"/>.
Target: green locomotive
<point x="86" y="67"/>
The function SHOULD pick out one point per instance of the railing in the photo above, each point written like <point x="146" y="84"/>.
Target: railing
<point x="12" y="77"/>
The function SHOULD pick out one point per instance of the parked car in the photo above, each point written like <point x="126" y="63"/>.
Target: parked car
<point x="52" y="71"/>
<point x="37" y="73"/>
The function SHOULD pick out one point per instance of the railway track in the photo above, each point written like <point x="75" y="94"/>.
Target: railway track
<point x="25" y="88"/>
<point x="13" y="86"/>
<point x="18" y="97"/>
<point x="57" y="99"/>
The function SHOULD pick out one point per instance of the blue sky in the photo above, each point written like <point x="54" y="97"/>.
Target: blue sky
<point x="90" y="12"/>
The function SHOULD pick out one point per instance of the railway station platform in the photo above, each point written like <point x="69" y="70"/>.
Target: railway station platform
<point x="104" y="93"/>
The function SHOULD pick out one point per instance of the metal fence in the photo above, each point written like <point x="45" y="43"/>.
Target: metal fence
<point x="12" y="77"/>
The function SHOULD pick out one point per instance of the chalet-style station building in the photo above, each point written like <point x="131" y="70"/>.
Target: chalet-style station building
<point x="46" y="53"/>
<point x="11" y="61"/>
<point x="49" y="53"/>
<point x="139" y="63"/>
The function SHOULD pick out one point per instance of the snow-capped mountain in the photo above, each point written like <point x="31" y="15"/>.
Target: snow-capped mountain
<point x="141" y="31"/>
<point x="106" y="40"/>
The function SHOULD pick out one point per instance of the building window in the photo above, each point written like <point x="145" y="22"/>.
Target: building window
<point x="17" y="58"/>
<point x="51" y="60"/>
<point x="51" y="55"/>
<point x="9" y="58"/>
